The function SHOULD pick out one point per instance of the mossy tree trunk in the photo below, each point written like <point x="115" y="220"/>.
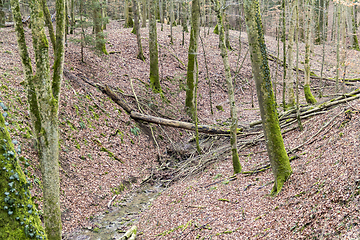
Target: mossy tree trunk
<point x="48" y="23"/>
<point x="153" y="49"/>
<point x="98" y="27"/>
<point x="233" y="111"/>
<point x="192" y="56"/>
<point x="43" y="98"/>
<point x="2" y="14"/>
<point x="16" y="206"/>
<point x="307" y="90"/>
<point x="274" y="142"/>
<point x="128" y="14"/>
<point x="355" y="44"/>
<point x="72" y="16"/>
<point x="140" y="54"/>
<point x="290" y="76"/>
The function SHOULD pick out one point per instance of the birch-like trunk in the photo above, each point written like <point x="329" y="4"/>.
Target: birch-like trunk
<point x="260" y="68"/>
<point x="229" y="83"/>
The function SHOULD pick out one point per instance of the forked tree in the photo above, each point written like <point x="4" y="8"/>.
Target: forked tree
<point x="279" y="159"/>
<point x="43" y="94"/>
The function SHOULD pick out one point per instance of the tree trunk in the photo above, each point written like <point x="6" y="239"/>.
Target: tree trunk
<point x="143" y="12"/>
<point x="99" y="35"/>
<point x="191" y="70"/>
<point x="355" y="44"/>
<point x="172" y="21"/>
<point x="283" y="39"/>
<point x="307" y="91"/>
<point x="15" y="191"/>
<point x="290" y="78"/>
<point x="153" y="49"/>
<point x="274" y="142"/>
<point x="128" y="15"/>
<point x="140" y="54"/>
<point x="72" y="16"/>
<point x="2" y="14"/>
<point x="233" y="114"/>
<point x="43" y="98"/>
<point x="48" y="23"/>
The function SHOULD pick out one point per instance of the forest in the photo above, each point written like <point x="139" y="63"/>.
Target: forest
<point x="179" y="119"/>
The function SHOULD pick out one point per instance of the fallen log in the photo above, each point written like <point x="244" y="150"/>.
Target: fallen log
<point x="162" y="121"/>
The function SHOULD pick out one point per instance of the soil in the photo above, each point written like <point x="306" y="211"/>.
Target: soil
<point x="106" y="157"/>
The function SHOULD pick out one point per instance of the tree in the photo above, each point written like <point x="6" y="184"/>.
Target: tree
<point x="43" y="98"/>
<point x="260" y="68"/>
<point x="307" y="91"/>
<point x="191" y="69"/>
<point x="2" y="14"/>
<point x="233" y="114"/>
<point x="16" y="206"/>
<point x="290" y="78"/>
<point x="140" y="54"/>
<point x="98" y="27"/>
<point x="153" y="49"/>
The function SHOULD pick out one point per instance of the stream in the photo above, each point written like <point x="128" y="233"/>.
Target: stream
<point x="113" y="224"/>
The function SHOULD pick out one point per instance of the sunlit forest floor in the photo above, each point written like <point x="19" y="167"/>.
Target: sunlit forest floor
<point x="105" y="154"/>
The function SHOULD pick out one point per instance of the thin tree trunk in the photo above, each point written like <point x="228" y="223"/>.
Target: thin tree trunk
<point x="153" y="49"/>
<point x="297" y="66"/>
<point x="192" y="56"/>
<point x="140" y="54"/>
<point x="274" y="142"/>
<point x="283" y="38"/>
<point x="233" y="113"/>
<point x="161" y="5"/>
<point x="290" y="79"/>
<point x="307" y="90"/>
<point x="143" y="12"/>
<point x="99" y="36"/>
<point x="337" y="48"/>
<point x="48" y="23"/>
<point x="355" y="44"/>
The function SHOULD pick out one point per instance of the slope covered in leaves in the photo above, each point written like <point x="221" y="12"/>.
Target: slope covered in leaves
<point x="105" y="154"/>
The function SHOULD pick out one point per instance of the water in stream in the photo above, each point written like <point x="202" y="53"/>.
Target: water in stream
<point x="114" y="224"/>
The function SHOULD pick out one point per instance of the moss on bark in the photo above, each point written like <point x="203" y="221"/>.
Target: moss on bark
<point x="191" y="69"/>
<point x="19" y="219"/>
<point x="274" y="142"/>
<point x="308" y="95"/>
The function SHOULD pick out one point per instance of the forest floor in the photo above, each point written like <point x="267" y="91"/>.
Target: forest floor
<point x="106" y="156"/>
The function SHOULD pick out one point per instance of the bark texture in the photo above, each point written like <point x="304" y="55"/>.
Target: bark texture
<point x="274" y="142"/>
<point x="19" y="219"/>
<point x="233" y="113"/>
<point x="192" y="56"/>
<point x="153" y="49"/>
<point x="43" y="98"/>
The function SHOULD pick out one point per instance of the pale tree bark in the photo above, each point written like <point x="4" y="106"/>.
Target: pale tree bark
<point x="260" y="68"/>
<point x="307" y="90"/>
<point x="161" y="10"/>
<point x="338" y="14"/>
<point x="43" y="97"/>
<point x="296" y="3"/>
<point x="192" y="56"/>
<point x="283" y="39"/>
<point x="140" y="54"/>
<point x="15" y="191"/>
<point x="290" y="76"/>
<point x="143" y="12"/>
<point x="233" y="113"/>
<point x="128" y="15"/>
<point x="153" y="49"/>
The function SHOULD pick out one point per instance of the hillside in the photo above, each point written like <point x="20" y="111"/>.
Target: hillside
<point x="107" y="157"/>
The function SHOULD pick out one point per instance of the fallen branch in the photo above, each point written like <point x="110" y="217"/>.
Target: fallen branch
<point x="130" y="234"/>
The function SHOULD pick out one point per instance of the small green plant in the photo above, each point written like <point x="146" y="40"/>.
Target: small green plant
<point x="135" y="131"/>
